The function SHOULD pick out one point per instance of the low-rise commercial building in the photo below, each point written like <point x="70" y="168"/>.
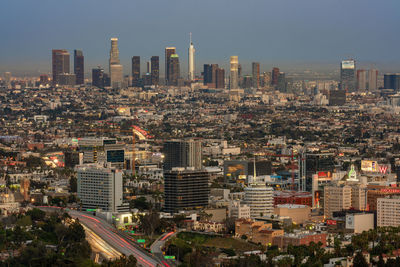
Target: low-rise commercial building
<point x="297" y="239"/>
<point x="298" y="213"/>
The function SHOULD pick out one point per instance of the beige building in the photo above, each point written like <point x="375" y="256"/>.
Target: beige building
<point x="342" y="197"/>
<point x="257" y="231"/>
<point x="388" y="211"/>
<point x="360" y="222"/>
<point x="298" y="213"/>
<point x="336" y="198"/>
<point x="217" y="215"/>
<point x="359" y="197"/>
<point x="238" y="210"/>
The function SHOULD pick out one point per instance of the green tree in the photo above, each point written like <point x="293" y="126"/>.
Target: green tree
<point x="149" y="223"/>
<point x="359" y="260"/>
<point x="24" y="221"/>
<point x="140" y="204"/>
<point x="36" y="214"/>
<point x="73" y="184"/>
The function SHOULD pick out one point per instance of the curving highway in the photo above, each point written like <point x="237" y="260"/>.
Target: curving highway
<point x="106" y="236"/>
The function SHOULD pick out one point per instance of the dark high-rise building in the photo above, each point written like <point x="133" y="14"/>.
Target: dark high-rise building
<point x="79" y="67"/>
<point x="348" y="75"/>
<point x="207" y="74"/>
<point x="98" y="77"/>
<point x="146" y="79"/>
<point x="169" y="51"/>
<point x="324" y="162"/>
<point x="185" y="189"/>
<point x="181" y="153"/>
<point x="155" y="70"/>
<point x="256" y="74"/>
<point x="210" y="72"/>
<point x="136" y="71"/>
<point x="274" y="76"/>
<point x="66" y="79"/>
<point x="106" y="80"/>
<point x="282" y="83"/>
<point x="391" y="81"/>
<point x="337" y="97"/>
<point x="247" y="81"/>
<point x="220" y="78"/>
<point x="71" y="159"/>
<point x="173" y="70"/>
<point x="60" y="63"/>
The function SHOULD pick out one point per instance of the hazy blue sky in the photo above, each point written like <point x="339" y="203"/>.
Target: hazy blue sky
<point x="269" y="31"/>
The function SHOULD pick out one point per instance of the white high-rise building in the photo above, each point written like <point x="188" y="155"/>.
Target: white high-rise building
<point x="260" y="199"/>
<point x="116" y="70"/>
<point x="100" y="188"/>
<point x="388" y="212"/>
<point x="191" y="59"/>
<point x="234" y="81"/>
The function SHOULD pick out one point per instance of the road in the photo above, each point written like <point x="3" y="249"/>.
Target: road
<point x="157" y="246"/>
<point x="100" y="246"/>
<point x="105" y="235"/>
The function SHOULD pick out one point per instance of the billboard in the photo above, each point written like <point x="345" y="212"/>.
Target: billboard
<point x="350" y="221"/>
<point x="348" y="64"/>
<point x="374" y="166"/>
<point x="369" y="166"/>
<point x="331" y="222"/>
<point x="235" y="169"/>
<point x="324" y="175"/>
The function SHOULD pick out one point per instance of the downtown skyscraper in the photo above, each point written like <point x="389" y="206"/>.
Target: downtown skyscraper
<point x="60" y="64"/>
<point x="135" y="71"/>
<point x="256" y="74"/>
<point x="234" y="81"/>
<point x="173" y="70"/>
<point x="79" y="67"/>
<point x="155" y="70"/>
<point x="115" y="67"/>
<point x="274" y="76"/>
<point x="169" y="51"/>
<point x="191" y="67"/>
<point x="348" y="75"/>
<point x="372" y="79"/>
<point x="361" y="80"/>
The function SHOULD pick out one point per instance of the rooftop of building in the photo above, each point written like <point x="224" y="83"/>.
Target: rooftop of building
<point x="291" y="206"/>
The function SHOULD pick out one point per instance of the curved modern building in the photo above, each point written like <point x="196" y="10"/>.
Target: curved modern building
<point x="260" y="199"/>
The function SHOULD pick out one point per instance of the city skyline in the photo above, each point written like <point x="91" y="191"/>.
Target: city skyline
<point x="256" y="31"/>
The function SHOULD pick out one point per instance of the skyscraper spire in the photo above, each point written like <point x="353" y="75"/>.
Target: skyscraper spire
<point x="191" y="59"/>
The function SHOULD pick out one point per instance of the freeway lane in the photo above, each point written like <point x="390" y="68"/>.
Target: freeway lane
<point x="106" y="232"/>
<point x="158" y="244"/>
<point x="99" y="245"/>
